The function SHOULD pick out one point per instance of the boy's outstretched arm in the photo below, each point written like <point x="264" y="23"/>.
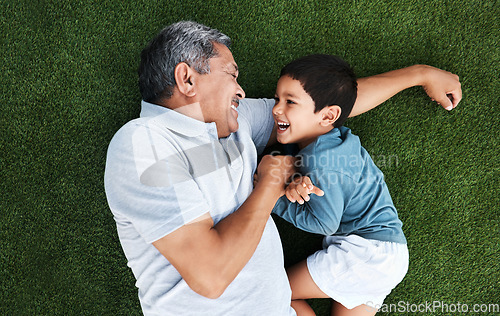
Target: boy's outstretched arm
<point x="441" y="86"/>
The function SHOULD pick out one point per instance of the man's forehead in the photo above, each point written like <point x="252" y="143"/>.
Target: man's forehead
<point x="225" y="57"/>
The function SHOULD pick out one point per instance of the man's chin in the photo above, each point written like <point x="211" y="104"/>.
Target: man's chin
<point x="234" y="128"/>
<point x="229" y="131"/>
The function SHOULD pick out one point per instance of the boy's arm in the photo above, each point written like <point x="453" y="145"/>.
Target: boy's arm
<point x="320" y="214"/>
<point x="304" y="216"/>
<point x="440" y="85"/>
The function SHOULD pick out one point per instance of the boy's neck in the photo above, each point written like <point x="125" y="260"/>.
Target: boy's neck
<point x="303" y="144"/>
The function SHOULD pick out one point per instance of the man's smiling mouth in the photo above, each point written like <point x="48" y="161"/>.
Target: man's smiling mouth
<point x="235" y="102"/>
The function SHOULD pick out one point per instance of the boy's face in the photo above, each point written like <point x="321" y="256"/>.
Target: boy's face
<point x="294" y="114"/>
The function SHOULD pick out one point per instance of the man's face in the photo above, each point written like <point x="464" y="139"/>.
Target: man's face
<point x="219" y="92"/>
<point x="294" y="113"/>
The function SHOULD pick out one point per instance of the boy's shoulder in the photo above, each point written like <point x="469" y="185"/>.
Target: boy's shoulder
<point x="338" y="141"/>
<point x="337" y="150"/>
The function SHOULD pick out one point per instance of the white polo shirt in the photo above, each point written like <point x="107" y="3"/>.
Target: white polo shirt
<point x="165" y="169"/>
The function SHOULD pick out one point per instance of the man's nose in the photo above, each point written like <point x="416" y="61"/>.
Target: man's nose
<point x="240" y="92"/>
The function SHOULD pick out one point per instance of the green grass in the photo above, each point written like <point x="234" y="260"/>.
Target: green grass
<point x="68" y="77"/>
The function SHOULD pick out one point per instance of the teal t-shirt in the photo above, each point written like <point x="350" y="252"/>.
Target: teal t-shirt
<point x="356" y="200"/>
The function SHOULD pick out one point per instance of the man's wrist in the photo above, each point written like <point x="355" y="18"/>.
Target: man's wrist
<point x="272" y="186"/>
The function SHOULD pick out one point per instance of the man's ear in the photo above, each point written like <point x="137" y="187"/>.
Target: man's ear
<point x="330" y="114"/>
<point x="183" y="75"/>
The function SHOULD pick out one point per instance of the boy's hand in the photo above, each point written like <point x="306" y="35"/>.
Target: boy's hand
<point x="442" y="86"/>
<point x="300" y="188"/>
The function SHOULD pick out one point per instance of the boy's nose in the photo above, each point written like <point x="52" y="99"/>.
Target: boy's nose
<point x="277" y="109"/>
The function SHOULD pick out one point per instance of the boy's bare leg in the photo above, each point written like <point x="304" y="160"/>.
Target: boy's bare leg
<point x="303" y="287"/>
<point x="361" y="310"/>
<point x="302" y="308"/>
<point x="302" y="283"/>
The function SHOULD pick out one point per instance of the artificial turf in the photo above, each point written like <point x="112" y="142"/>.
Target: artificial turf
<point x="68" y="77"/>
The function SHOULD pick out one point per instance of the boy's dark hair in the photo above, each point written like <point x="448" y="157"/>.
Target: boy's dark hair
<point x="328" y="79"/>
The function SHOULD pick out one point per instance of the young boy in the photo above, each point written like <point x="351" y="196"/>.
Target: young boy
<point x="365" y="254"/>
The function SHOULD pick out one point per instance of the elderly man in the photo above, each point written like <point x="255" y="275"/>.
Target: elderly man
<point x="197" y="235"/>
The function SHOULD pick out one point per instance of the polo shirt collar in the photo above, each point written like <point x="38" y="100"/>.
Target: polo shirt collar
<point x="176" y="121"/>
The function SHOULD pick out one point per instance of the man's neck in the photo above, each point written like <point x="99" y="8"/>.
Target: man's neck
<point x="192" y="110"/>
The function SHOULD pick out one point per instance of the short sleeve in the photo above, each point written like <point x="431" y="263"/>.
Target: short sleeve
<point x="149" y="185"/>
<point x="258" y="114"/>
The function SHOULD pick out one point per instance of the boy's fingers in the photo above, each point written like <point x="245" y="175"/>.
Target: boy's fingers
<point x="307" y="182"/>
<point x="289" y="196"/>
<point x="455" y="97"/>
<point x="301" y="189"/>
<point x="312" y="188"/>
<point x="297" y="197"/>
<point x="303" y="192"/>
<point x="292" y="194"/>
<point x="318" y="191"/>
<point x="446" y="102"/>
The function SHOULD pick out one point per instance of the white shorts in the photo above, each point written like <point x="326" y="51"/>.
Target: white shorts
<point x="353" y="270"/>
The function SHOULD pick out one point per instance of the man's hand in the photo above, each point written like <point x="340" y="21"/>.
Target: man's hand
<point x="442" y="86"/>
<point x="275" y="171"/>
<point x="300" y="188"/>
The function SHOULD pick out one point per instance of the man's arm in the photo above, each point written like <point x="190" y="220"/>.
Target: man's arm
<point x="441" y="86"/>
<point x="209" y="257"/>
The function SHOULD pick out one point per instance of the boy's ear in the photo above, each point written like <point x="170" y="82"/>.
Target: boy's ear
<point x="330" y="114"/>
<point x="183" y="75"/>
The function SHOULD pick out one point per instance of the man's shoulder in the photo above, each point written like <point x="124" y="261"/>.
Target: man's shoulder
<point x="250" y="107"/>
<point x="134" y="128"/>
<point x="262" y="102"/>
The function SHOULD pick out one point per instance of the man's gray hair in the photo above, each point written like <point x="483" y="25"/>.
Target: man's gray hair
<point x="184" y="41"/>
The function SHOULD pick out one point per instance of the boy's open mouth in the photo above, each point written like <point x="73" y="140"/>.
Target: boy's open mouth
<point x="282" y="126"/>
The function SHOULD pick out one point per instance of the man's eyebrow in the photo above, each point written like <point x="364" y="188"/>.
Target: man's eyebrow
<point x="233" y="66"/>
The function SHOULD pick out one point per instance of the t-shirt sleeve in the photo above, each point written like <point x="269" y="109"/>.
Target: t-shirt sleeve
<point x="258" y="115"/>
<point x="150" y="186"/>
<point x="321" y="214"/>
